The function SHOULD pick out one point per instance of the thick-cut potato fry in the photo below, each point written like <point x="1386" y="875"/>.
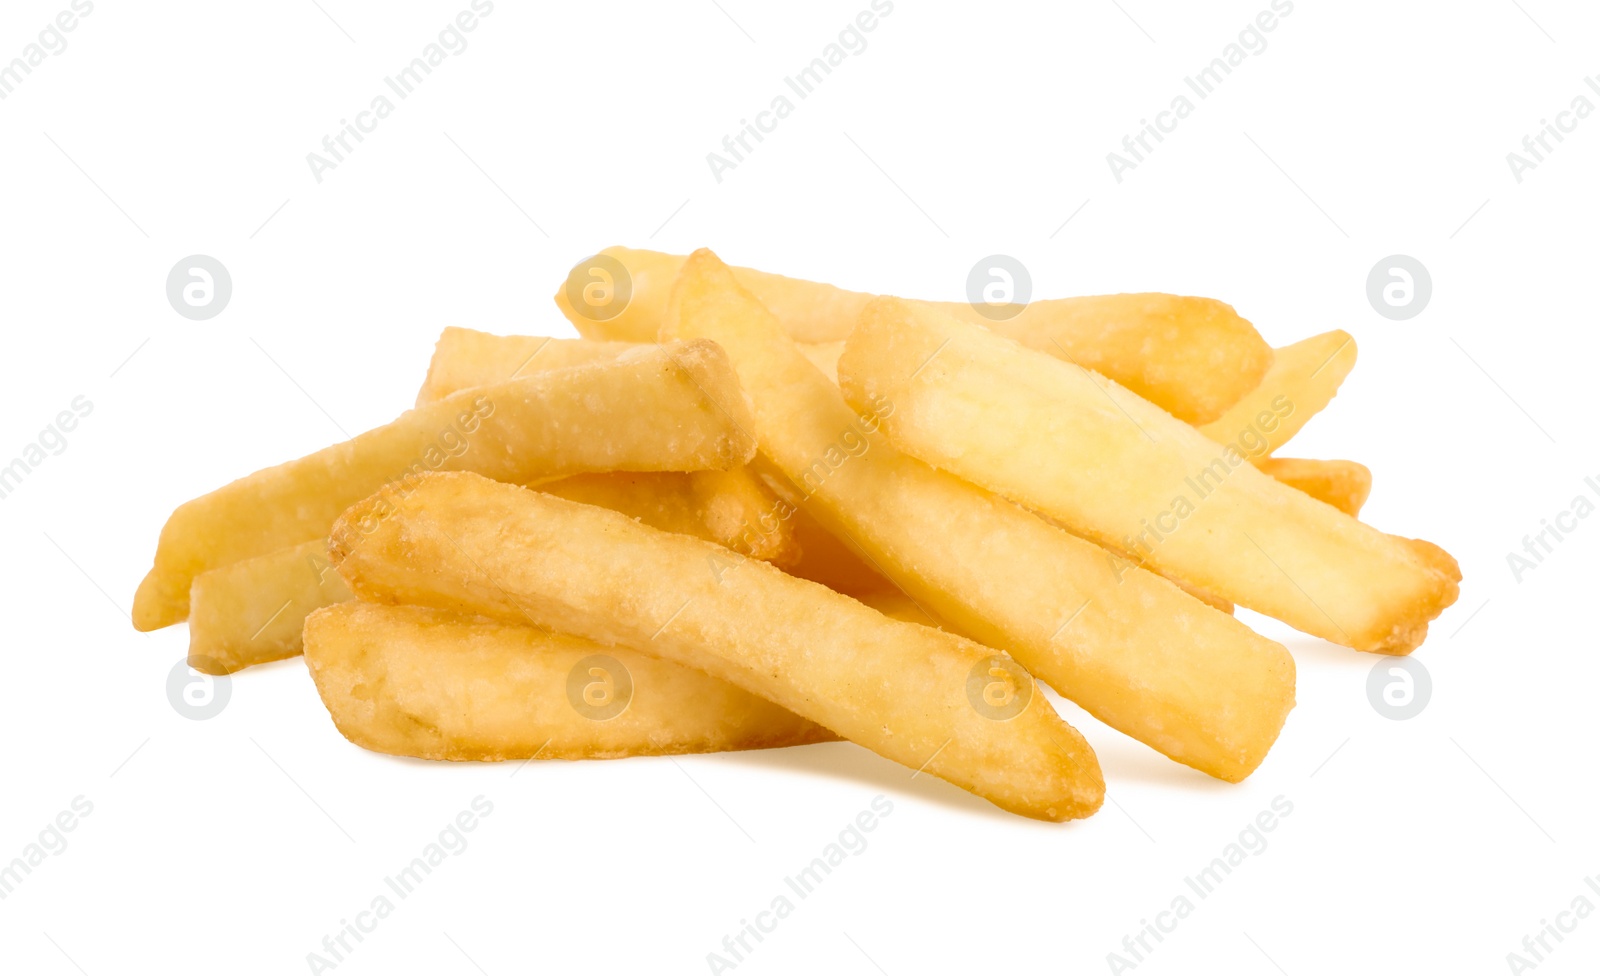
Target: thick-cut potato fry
<point x="251" y="612"/>
<point x="411" y="681"/>
<point x="1303" y="380"/>
<point x="1115" y="468"/>
<point x="1209" y="599"/>
<point x="1194" y="356"/>
<point x="672" y="408"/>
<point x="462" y="542"/>
<point x="466" y="357"/>
<point x="1134" y="650"/>
<point x="1343" y="484"/>
<point x="731" y="508"/>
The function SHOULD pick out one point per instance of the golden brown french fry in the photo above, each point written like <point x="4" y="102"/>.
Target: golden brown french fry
<point x="464" y="542"/>
<point x="1343" y="484"/>
<point x="1303" y="380"/>
<point x="1117" y="469"/>
<point x="252" y="611"/>
<point x="465" y="357"/>
<point x="1194" y="356"/>
<point x="1131" y="648"/>
<point x="657" y="409"/>
<point x="411" y="681"/>
<point x="733" y="508"/>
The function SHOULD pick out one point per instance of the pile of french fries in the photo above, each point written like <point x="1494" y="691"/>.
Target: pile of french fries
<point x="747" y="511"/>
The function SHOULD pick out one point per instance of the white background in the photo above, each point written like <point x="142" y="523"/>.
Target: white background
<point x="1364" y="129"/>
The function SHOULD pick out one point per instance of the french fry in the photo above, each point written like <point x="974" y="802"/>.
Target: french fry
<point x="1134" y="650"/>
<point x="1194" y="356"/>
<point x="1326" y="481"/>
<point x="252" y="611"/>
<point x="1343" y="484"/>
<point x="733" y="508"/>
<point x="730" y="508"/>
<point x="674" y="408"/>
<point x="891" y="601"/>
<point x="462" y="542"/>
<point x="1117" y="469"/>
<point x="825" y="356"/>
<point x="1303" y="380"/>
<point x="411" y="681"/>
<point x="466" y="357"/>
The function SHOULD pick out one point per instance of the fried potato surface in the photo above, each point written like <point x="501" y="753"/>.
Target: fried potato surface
<point x="1130" y="647"/>
<point x="411" y="681"/>
<point x="1195" y="357"/>
<point x="252" y="611"/>
<point x="731" y="508"/>
<point x="672" y="408"/>
<point x="467" y="357"/>
<point x="1115" y="468"/>
<point x="459" y="541"/>
<point x="1343" y="484"/>
<point x="1303" y="380"/>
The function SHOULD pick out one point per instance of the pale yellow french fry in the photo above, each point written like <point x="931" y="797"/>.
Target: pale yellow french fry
<point x="1134" y="650"/>
<point x="411" y="681"/>
<point x="466" y="357"/>
<point x="1194" y="356"/>
<point x="1343" y="484"/>
<point x="251" y="612"/>
<point x="912" y="694"/>
<point x="825" y="356"/>
<point x="1327" y="481"/>
<point x="1303" y="380"/>
<point x="676" y="408"/>
<point x="1115" y="468"/>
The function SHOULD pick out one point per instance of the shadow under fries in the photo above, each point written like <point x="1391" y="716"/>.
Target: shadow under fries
<point x="834" y="760"/>
<point x="1124" y="759"/>
<point x="850" y="762"/>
